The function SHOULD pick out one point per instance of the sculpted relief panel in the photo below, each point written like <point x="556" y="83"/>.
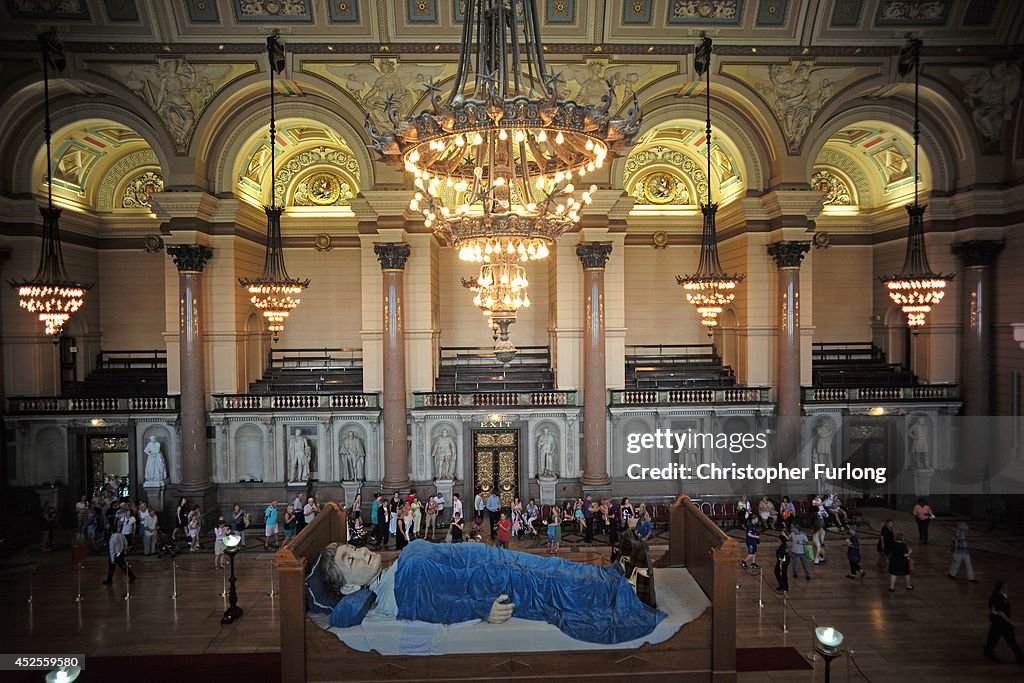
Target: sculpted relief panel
<point x="794" y="91"/>
<point x="175" y="89"/>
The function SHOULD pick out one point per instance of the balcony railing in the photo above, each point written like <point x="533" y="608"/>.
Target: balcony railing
<point x="934" y="392"/>
<point x="141" y="404"/>
<point x="295" y="401"/>
<point x="504" y="399"/>
<point x="630" y="397"/>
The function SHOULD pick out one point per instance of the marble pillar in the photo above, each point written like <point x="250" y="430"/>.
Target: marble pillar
<point x="594" y="256"/>
<point x="787" y="256"/>
<point x="392" y="257"/>
<point x="977" y="259"/>
<point x="190" y="260"/>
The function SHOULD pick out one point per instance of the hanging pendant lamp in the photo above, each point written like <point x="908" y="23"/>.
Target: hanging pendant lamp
<point x="710" y="289"/>
<point x="915" y="289"/>
<point x="273" y="292"/>
<point x="51" y="294"/>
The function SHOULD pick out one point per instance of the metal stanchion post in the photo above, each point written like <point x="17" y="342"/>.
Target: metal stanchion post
<point x="272" y="592"/>
<point x="174" y="581"/>
<point x="78" y="597"/>
<point x="127" y="581"/>
<point x="224" y="581"/>
<point x="785" y="610"/>
<point x="814" y="655"/>
<point x="31" y="582"/>
<point x="760" y="589"/>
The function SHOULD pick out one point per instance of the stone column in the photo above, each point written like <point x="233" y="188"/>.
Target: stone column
<point x="787" y="256"/>
<point x="190" y="260"/>
<point x="977" y="259"/>
<point x="593" y="256"/>
<point x="392" y="257"/>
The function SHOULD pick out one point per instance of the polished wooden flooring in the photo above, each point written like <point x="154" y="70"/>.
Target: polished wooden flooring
<point x="934" y="633"/>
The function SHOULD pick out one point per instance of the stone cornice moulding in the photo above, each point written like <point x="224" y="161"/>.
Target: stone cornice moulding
<point x="806" y="203"/>
<point x="170" y="205"/>
<point x="613" y="203"/>
<point x="369" y="206"/>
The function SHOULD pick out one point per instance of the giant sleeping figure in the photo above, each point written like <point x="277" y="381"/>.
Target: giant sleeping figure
<point x="453" y="583"/>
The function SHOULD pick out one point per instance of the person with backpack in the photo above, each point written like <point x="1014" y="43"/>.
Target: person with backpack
<point x="239" y="522"/>
<point x="270" y="522"/>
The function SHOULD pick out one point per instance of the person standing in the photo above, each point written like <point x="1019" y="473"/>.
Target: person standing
<point x="270" y="523"/>
<point x="923" y="514"/>
<point x="149" y="525"/>
<point x="899" y="563"/>
<point x="590" y="508"/>
<point x="49" y="525"/>
<point x="118" y="547"/>
<point x="478" y="509"/>
<point x="554" y="523"/>
<point x="457" y="527"/>
<point x="300" y="521"/>
<point x="504" y="531"/>
<point x="819" y="541"/>
<point x="81" y="514"/>
<point x="782" y="562"/>
<point x="291" y="520"/>
<point x="237" y="523"/>
<point x="1001" y="625"/>
<point x="457" y="505"/>
<point x="960" y="554"/>
<point x="403" y="520"/>
<point x="788" y="512"/>
<point x="885" y="540"/>
<point x="181" y="519"/>
<point x="310" y="510"/>
<point x="195" y="525"/>
<point x="375" y="517"/>
<point x="493" y="510"/>
<point x="798" y="541"/>
<point x="385" y="515"/>
<point x="753" y="538"/>
<point x="853" y="555"/>
<point x="220" y="532"/>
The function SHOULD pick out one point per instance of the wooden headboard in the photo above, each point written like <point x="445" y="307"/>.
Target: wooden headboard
<point x="329" y="526"/>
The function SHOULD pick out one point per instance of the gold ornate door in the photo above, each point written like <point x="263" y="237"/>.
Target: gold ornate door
<point x="496" y="463"/>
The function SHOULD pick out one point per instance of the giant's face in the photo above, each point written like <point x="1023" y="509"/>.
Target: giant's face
<point x="359" y="566"/>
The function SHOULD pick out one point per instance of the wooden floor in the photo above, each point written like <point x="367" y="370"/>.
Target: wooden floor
<point x="934" y="633"/>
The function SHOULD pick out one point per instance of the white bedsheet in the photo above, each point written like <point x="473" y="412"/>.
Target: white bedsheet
<point x="678" y="595"/>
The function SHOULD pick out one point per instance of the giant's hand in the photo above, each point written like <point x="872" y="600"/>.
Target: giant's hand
<point x="500" y="611"/>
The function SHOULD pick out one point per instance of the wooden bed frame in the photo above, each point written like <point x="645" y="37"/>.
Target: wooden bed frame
<point x="703" y="650"/>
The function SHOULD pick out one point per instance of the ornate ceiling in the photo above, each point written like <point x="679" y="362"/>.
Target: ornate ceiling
<point x="639" y="23"/>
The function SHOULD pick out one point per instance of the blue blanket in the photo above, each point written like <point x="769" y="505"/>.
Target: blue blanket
<point x="451" y="583"/>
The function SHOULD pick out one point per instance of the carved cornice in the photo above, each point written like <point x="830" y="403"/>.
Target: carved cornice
<point x="593" y="255"/>
<point x="978" y="253"/>
<point x="392" y="255"/>
<point x="788" y="254"/>
<point x="190" y="258"/>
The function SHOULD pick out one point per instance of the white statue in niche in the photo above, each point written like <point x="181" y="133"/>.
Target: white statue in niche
<point x="547" y="454"/>
<point x="299" y="453"/>
<point x="917" y="432"/>
<point x="690" y="455"/>
<point x="353" y="457"/>
<point x="444" y="454"/>
<point x="156" y="468"/>
<point x="824" y="430"/>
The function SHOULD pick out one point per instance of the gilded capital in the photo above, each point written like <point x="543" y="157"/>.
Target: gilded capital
<point x="788" y="254"/>
<point x="593" y="255"/>
<point x="392" y="255"/>
<point x="190" y="258"/>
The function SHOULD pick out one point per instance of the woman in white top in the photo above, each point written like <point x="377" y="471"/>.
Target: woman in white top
<point x="819" y="541"/>
<point x="219" y="532"/>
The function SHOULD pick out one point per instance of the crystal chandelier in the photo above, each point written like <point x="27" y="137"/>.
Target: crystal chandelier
<point x="710" y="289"/>
<point x="500" y="293"/>
<point x="51" y="294"/>
<point x="915" y="289"/>
<point x="273" y="292"/>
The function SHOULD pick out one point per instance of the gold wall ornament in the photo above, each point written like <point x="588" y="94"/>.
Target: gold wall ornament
<point x="662" y="187"/>
<point x="153" y="244"/>
<point x="321" y="189"/>
<point x="322" y="242"/>
<point x="660" y="239"/>
<point x="140" y="189"/>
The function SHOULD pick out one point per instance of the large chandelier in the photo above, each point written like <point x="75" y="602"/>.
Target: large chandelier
<point x="915" y="289"/>
<point x="273" y="292"/>
<point x="500" y="293"/>
<point x="710" y="289"/>
<point x="52" y="295"/>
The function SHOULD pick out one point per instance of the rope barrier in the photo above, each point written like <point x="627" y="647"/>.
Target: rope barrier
<point x="856" y="666"/>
